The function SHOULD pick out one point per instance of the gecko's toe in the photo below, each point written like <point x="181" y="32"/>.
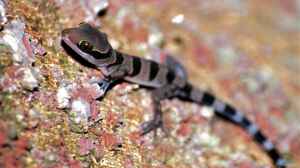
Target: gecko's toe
<point x="153" y="125"/>
<point x="150" y="126"/>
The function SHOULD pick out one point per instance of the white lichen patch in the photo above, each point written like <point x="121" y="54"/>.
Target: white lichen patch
<point x="207" y="112"/>
<point x="155" y="38"/>
<point x="63" y="96"/>
<point x="227" y="55"/>
<point x="101" y="5"/>
<point x="115" y="43"/>
<point x="178" y="19"/>
<point x="205" y="138"/>
<point x="3" y="18"/>
<point x="13" y="35"/>
<point x="80" y="112"/>
<point x="30" y="79"/>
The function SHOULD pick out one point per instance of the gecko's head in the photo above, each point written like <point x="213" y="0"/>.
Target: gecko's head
<point x="87" y="42"/>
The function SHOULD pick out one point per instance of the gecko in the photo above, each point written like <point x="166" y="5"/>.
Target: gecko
<point x="166" y="81"/>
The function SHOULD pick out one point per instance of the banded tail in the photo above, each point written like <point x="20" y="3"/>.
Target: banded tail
<point x="227" y="112"/>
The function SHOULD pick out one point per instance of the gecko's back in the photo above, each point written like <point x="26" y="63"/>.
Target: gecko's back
<point x="145" y="72"/>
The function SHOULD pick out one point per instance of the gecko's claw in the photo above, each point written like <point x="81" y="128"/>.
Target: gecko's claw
<point x="149" y="126"/>
<point x="153" y="125"/>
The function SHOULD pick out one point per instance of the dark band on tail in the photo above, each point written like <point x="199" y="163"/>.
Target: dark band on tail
<point x="137" y="66"/>
<point x="227" y="112"/>
<point x="208" y="99"/>
<point x="154" y="68"/>
<point x="170" y="77"/>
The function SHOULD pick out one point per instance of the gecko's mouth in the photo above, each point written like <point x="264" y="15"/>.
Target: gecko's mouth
<point x="75" y="52"/>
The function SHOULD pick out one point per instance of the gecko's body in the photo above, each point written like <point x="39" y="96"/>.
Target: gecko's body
<point x="166" y="80"/>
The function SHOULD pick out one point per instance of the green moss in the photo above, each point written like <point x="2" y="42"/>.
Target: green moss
<point x="5" y="58"/>
<point x="6" y="106"/>
<point x="70" y="70"/>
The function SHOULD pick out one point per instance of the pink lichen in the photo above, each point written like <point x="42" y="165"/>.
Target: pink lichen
<point x="94" y="110"/>
<point x="32" y="46"/>
<point x="140" y="33"/>
<point x="85" y="146"/>
<point x="203" y="55"/>
<point x="21" y="145"/>
<point x="2" y="138"/>
<point x="112" y="118"/>
<point x="128" y="163"/>
<point x="74" y="164"/>
<point x="108" y="140"/>
<point x="12" y="158"/>
<point x="184" y="129"/>
<point x="135" y="137"/>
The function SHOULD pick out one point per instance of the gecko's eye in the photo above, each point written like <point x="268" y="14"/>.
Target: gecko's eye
<point x="85" y="45"/>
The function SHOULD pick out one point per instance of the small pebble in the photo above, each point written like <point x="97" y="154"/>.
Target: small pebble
<point x="178" y="19"/>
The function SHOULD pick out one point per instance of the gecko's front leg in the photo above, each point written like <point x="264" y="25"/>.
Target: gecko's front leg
<point x="158" y="95"/>
<point x="109" y="80"/>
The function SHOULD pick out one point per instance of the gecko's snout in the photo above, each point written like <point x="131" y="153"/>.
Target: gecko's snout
<point x="65" y="32"/>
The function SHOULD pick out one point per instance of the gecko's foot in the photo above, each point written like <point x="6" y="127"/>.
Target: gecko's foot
<point x="153" y="125"/>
